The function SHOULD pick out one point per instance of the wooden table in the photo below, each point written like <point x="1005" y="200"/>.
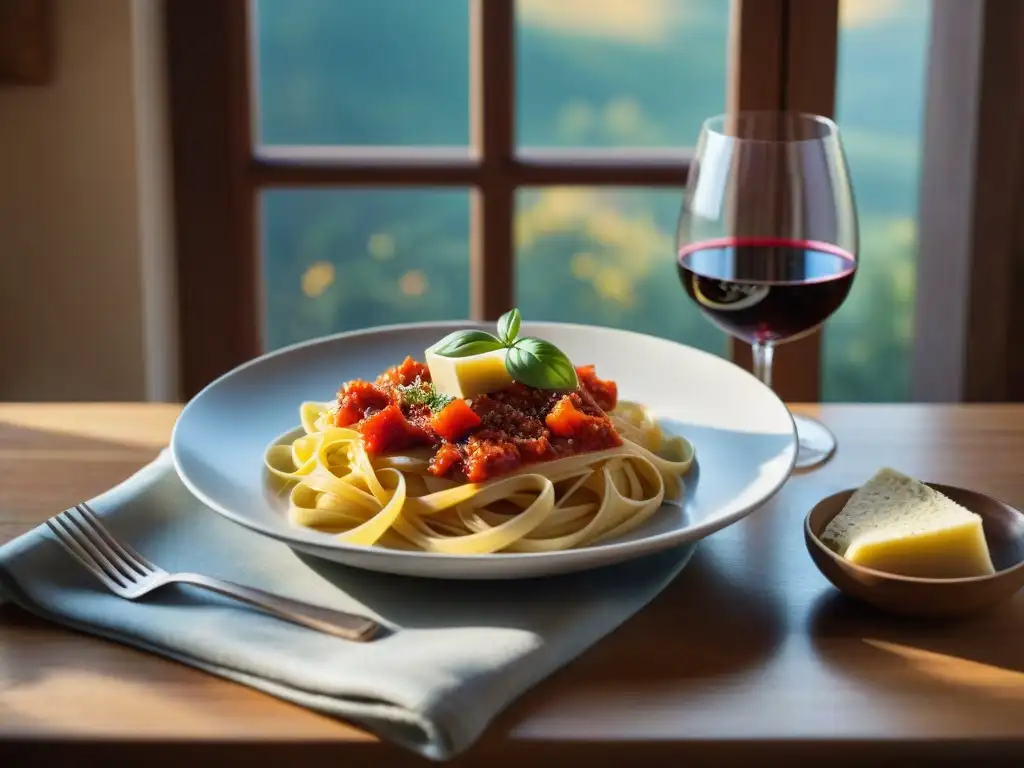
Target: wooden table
<point x="748" y="658"/>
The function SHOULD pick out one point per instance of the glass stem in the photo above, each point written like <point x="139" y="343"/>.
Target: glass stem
<point x="763" y="352"/>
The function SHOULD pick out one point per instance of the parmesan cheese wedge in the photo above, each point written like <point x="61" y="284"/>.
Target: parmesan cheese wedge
<point x="896" y="524"/>
<point x="469" y="376"/>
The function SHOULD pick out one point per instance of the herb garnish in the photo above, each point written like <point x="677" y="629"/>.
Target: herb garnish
<point x="424" y="393"/>
<point x="534" y="362"/>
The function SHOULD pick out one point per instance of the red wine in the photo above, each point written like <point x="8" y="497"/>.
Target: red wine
<point x="766" y="289"/>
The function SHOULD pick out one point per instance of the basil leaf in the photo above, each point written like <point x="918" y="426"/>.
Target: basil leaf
<point x="508" y="327"/>
<point x="466" y="343"/>
<point x="540" y="364"/>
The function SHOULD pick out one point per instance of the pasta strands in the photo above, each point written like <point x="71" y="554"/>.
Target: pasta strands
<point x="393" y="501"/>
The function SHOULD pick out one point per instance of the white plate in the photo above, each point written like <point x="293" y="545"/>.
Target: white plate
<point x="744" y="437"/>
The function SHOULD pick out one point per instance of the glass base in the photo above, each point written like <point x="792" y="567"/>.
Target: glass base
<point x="817" y="443"/>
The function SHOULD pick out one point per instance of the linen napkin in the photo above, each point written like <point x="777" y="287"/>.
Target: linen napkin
<point x="458" y="652"/>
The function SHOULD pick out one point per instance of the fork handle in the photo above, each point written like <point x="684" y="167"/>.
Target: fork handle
<point x="338" y="623"/>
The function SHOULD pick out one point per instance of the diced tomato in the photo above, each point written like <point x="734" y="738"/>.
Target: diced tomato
<point x="454" y="420"/>
<point x="387" y="431"/>
<point x="445" y="458"/>
<point x="355" y="400"/>
<point x="590" y="433"/>
<point x="565" y="420"/>
<point x="405" y="374"/>
<point x="346" y="416"/>
<point x="604" y="391"/>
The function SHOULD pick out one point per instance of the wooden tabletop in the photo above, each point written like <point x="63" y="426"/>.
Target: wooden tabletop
<point x="750" y="656"/>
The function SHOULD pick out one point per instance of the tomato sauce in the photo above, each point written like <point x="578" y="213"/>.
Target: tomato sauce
<point x="485" y="436"/>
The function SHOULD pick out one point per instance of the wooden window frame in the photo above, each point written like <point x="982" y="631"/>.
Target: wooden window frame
<point x="782" y="56"/>
<point x="971" y="214"/>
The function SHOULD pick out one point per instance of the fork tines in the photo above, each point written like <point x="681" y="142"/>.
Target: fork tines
<point x="114" y="563"/>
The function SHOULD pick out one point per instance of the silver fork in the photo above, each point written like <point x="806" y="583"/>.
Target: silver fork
<point x="128" y="574"/>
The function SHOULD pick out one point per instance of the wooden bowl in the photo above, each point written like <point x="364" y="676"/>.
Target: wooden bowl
<point x="912" y="596"/>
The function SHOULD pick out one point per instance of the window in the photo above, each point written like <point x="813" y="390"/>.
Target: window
<point x="618" y="73"/>
<point x="441" y="161"/>
<point x="340" y="259"/>
<point x="362" y="72"/>
<point x="366" y="73"/>
<point x="603" y="256"/>
<point x="880" y="107"/>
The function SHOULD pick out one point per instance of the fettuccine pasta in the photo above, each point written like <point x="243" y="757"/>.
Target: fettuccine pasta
<point x="393" y="500"/>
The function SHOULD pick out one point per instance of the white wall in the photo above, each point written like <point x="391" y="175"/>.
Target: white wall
<point x="85" y="295"/>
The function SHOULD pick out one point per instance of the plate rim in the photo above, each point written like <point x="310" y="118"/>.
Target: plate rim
<point x="633" y="547"/>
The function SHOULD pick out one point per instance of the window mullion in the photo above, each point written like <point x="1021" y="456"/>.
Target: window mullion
<point x="492" y="267"/>
<point x="214" y="201"/>
<point x="783" y="56"/>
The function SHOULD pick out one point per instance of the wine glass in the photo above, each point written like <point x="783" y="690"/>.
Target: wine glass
<point x="767" y="237"/>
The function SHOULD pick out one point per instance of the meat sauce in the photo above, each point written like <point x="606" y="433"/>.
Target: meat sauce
<point x="486" y="436"/>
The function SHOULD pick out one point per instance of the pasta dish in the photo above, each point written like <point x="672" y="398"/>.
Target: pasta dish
<point x="494" y="444"/>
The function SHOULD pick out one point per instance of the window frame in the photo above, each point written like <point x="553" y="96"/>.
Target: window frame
<point x="971" y="211"/>
<point x="782" y="55"/>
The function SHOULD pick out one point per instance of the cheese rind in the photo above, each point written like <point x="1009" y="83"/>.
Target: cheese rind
<point x="896" y="524"/>
<point x="469" y="376"/>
